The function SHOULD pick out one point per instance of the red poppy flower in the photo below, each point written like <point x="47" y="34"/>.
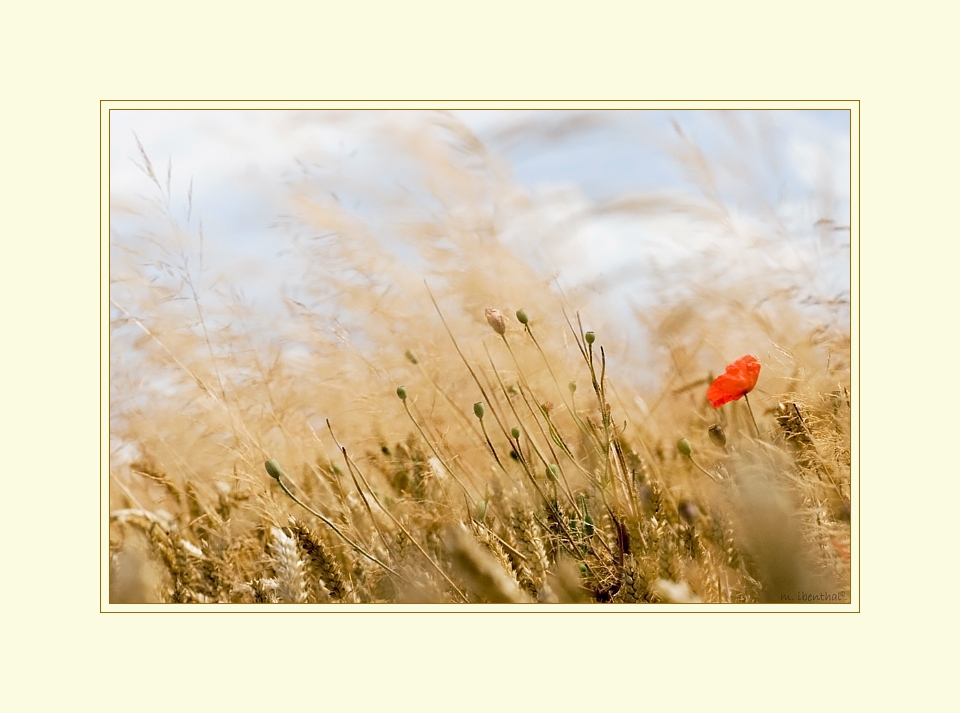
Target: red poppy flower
<point x="738" y="380"/>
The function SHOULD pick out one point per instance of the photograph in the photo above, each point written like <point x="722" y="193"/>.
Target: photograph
<point x="482" y="357"/>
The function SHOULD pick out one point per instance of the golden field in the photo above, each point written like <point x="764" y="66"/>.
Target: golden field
<point x="432" y="416"/>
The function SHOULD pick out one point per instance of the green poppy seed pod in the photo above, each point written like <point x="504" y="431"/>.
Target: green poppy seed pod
<point x="273" y="469"/>
<point x="515" y="432"/>
<point x="522" y="317"/>
<point x="411" y="357"/>
<point x="683" y="445"/>
<point x="717" y="435"/>
<point x="402" y="393"/>
<point x="572" y="386"/>
<point x="589" y="337"/>
<point x="478" y="409"/>
<point x="552" y="472"/>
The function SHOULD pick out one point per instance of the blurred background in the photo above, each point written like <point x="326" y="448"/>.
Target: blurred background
<point x="602" y="200"/>
<point x="691" y="237"/>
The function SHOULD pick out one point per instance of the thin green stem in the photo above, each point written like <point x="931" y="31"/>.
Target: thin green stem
<point x="430" y="443"/>
<point x="752" y="417"/>
<point x="704" y="470"/>
<point x="492" y="449"/>
<point x="399" y="524"/>
<point x="326" y="521"/>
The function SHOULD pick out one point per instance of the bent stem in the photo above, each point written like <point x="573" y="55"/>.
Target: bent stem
<point x="337" y="530"/>
<point x="430" y="444"/>
<point x="752" y="417"/>
<point x="353" y="466"/>
<point x="703" y="470"/>
<point x="492" y="449"/>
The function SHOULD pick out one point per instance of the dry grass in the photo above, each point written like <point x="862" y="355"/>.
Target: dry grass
<point x="568" y="489"/>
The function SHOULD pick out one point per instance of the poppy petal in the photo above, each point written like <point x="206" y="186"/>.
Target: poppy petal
<point x="739" y="379"/>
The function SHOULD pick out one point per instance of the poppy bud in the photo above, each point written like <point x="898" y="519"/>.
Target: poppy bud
<point x="495" y="320"/>
<point x="589" y="337"/>
<point x="273" y="469"/>
<point x="402" y="393"/>
<point x="478" y="409"/>
<point x="552" y="473"/>
<point x="717" y="435"/>
<point x="572" y="386"/>
<point x="515" y="432"/>
<point x="683" y="445"/>
<point x="522" y="317"/>
<point x="411" y="356"/>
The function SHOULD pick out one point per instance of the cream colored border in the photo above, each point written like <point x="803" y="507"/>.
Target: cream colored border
<point x="852" y="106"/>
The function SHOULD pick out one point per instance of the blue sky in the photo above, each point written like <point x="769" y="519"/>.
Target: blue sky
<point x="606" y="153"/>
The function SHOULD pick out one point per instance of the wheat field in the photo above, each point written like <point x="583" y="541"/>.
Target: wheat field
<point x="423" y="412"/>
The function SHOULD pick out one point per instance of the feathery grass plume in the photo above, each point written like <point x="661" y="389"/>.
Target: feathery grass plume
<point x="149" y="470"/>
<point x="797" y="435"/>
